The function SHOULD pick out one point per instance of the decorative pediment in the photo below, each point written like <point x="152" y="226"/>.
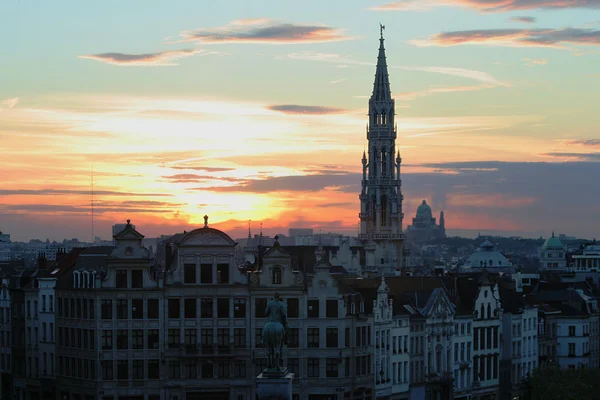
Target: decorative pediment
<point x="276" y="252"/>
<point x="439" y="305"/>
<point x="207" y="237"/>
<point x="128" y="233"/>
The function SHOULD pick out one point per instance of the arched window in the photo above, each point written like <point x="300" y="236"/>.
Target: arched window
<point x="276" y="275"/>
<point x="482" y="312"/>
<point x="85" y="281"/>
<point x="383" y="162"/>
<point x="362" y="307"/>
<point x="489" y="311"/>
<point x="76" y="277"/>
<point x="352" y="308"/>
<point x="93" y="280"/>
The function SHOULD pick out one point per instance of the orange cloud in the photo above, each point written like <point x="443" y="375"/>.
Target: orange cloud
<point x="486" y="5"/>
<point x="164" y="58"/>
<point x="264" y="31"/>
<point x="514" y="38"/>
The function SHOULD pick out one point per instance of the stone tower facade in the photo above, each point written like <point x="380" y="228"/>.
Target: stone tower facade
<point x="381" y="196"/>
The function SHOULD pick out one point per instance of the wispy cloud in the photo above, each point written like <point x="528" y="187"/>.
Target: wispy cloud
<point x="530" y="62"/>
<point x="479" y="76"/>
<point x="305" y="110"/>
<point x="433" y="90"/>
<point x="527" y="20"/>
<point x="555" y="38"/>
<point x="486" y="5"/>
<point x="584" y="142"/>
<point x="575" y="156"/>
<point x="334" y="82"/>
<point x="52" y="192"/>
<point x="165" y="58"/>
<point x="264" y="31"/>
<point x="10" y="103"/>
<point x="475" y="75"/>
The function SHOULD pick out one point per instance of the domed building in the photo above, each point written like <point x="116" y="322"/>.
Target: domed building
<point x="424" y="227"/>
<point x="487" y="258"/>
<point x="553" y="255"/>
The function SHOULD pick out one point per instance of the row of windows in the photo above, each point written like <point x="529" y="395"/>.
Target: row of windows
<point x="76" y="308"/>
<point x="77" y="338"/>
<point x="133" y="279"/>
<point x="209" y="308"/>
<point x="465" y="352"/>
<point x="193" y="274"/>
<point x="462" y="328"/>
<point x="223" y="337"/>
<point x="485" y="338"/>
<point x="485" y="368"/>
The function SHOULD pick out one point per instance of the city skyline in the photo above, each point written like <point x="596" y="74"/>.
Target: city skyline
<point x="256" y="112"/>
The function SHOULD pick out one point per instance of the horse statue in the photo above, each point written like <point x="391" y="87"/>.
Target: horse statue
<point x="274" y="335"/>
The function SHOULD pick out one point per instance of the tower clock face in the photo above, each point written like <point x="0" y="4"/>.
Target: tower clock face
<point x="254" y="278"/>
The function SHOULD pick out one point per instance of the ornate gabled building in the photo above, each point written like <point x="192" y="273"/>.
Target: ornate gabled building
<point x="519" y="342"/>
<point x="481" y="295"/>
<point x="381" y="195"/>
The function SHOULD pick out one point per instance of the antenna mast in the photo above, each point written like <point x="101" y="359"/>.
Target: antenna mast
<point x="92" y="204"/>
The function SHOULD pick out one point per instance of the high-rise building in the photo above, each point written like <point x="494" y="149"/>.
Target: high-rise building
<point x="381" y="196"/>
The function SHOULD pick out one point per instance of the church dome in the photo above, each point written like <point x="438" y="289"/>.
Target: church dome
<point x="487" y="257"/>
<point x="424" y="211"/>
<point x="553" y="243"/>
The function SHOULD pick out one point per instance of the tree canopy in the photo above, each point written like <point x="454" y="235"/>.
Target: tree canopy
<point x="570" y="384"/>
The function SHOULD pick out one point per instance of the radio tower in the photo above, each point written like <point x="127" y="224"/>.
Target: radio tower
<point x="92" y="204"/>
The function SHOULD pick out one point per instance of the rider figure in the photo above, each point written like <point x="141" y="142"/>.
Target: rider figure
<point x="277" y="312"/>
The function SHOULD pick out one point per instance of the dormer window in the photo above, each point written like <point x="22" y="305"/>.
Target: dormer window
<point x="352" y="308"/>
<point x="362" y="306"/>
<point x="129" y="251"/>
<point x="76" y="279"/>
<point x="85" y="279"/>
<point x="276" y="275"/>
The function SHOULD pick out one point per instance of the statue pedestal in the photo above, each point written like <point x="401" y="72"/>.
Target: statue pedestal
<point x="274" y="388"/>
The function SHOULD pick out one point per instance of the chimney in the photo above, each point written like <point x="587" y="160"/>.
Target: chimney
<point x="41" y="261"/>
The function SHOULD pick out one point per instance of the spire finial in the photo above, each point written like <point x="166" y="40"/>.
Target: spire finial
<point x="206" y="221"/>
<point x="249" y="231"/>
<point x="381" y="29"/>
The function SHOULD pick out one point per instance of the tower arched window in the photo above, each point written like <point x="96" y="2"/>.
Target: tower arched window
<point x="489" y="310"/>
<point x="383" y="162"/>
<point x="384" y="211"/>
<point x="383" y="119"/>
<point x="85" y="281"/>
<point x="276" y="275"/>
<point x="482" y="312"/>
<point x="76" y="279"/>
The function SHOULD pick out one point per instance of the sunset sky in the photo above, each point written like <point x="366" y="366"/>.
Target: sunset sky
<point x="256" y="110"/>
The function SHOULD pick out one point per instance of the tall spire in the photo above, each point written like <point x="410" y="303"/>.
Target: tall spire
<point x="381" y="86"/>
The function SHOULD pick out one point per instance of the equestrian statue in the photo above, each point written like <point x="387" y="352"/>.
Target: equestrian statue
<point x="274" y="337"/>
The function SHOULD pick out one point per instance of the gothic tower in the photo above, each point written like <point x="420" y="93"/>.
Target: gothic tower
<point x="381" y="196"/>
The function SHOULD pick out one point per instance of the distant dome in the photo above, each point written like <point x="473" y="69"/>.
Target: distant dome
<point x="486" y="257"/>
<point x="553" y="243"/>
<point x="424" y="211"/>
